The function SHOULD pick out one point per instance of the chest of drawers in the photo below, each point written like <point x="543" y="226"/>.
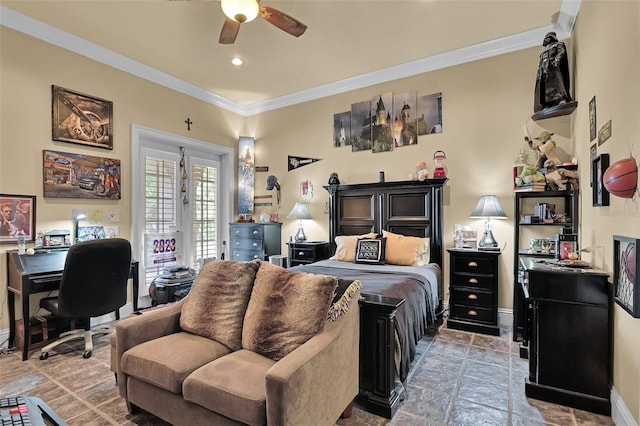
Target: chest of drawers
<point x="251" y="241"/>
<point x="473" y="291"/>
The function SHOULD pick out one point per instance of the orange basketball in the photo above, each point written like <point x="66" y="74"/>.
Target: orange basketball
<point x="621" y="178"/>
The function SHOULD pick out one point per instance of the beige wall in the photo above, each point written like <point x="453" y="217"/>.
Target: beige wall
<point x="486" y="105"/>
<point x="607" y="45"/>
<point x="28" y="69"/>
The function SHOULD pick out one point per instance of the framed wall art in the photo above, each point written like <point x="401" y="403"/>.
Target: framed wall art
<point x="600" y="195"/>
<point x="17" y="217"/>
<point x="592" y="119"/>
<point x="81" y="119"/>
<point x="66" y="175"/>
<point x="626" y="257"/>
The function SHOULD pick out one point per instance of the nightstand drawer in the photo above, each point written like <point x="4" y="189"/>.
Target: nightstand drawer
<point x="474" y="280"/>
<point x="473" y="313"/>
<point x="473" y="297"/>
<point x="479" y="265"/>
<point x="303" y="253"/>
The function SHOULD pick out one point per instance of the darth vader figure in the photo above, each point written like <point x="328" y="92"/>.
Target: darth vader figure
<point x="552" y="79"/>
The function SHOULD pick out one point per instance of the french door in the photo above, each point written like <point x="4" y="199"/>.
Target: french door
<point x="180" y="185"/>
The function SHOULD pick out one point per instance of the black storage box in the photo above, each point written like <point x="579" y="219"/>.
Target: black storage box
<point x="172" y="285"/>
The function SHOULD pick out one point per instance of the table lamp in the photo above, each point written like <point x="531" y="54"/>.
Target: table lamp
<point x="300" y="212"/>
<point x="488" y="207"/>
<point x="76" y="223"/>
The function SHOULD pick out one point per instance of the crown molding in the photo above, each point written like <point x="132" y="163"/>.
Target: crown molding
<point x="37" y="29"/>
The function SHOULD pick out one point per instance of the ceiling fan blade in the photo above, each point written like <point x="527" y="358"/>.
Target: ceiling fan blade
<point x="283" y="21"/>
<point x="229" y="31"/>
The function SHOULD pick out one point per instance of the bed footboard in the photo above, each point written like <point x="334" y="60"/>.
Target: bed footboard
<point x="380" y="391"/>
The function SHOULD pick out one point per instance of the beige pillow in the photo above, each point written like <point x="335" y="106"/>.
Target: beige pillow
<point x="218" y="300"/>
<point x="286" y="309"/>
<point x="406" y="251"/>
<point x="346" y="246"/>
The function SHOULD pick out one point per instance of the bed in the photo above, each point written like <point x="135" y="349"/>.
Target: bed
<point x="400" y="211"/>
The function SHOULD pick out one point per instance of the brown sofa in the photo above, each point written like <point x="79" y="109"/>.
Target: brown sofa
<point x="244" y="348"/>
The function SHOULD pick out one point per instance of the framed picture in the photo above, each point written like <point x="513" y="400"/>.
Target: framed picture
<point x="626" y="289"/>
<point x="17" y="217"/>
<point x="604" y="133"/>
<point x="600" y="195"/>
<point x="81" y="119"/>
<point x="66" y="175"/>
<point x="592" y="119"/>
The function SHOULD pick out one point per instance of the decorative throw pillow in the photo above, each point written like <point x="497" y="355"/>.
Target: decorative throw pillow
<point x="407" y="251"/>
<point x="218" y="301"/>
<point x="286" y="309"/>
<point x="370" y="250"/>
<point x="346" y="246"/>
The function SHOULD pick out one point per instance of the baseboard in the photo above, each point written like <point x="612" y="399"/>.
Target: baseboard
<point x="619" y="411"/>
<point x="125" y="311"/>
<point x="505" y="317"/>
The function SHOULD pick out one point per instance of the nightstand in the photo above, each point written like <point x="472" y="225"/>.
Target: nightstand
<point x="473" y="291"/>
<point x="304" y="252"/>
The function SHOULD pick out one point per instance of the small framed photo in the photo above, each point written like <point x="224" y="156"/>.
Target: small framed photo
<point x="17" y="217"/>
<point x="81" y="119"/>
<point x="626" y="257"/>
<point x="600" y="195"/>
<point x="592" y="119"/>
<point x="604" y="133"/>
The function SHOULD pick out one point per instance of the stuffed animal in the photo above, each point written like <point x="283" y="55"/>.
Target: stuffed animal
<point x="421" y="171"/>
<point x="547" y="148"/>
<point x="528" y="175"/>
<point x="559" y="178"/>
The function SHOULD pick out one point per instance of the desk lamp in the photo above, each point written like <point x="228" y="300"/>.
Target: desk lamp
<point x="76" y="223"/>
<point x="488" y="207"/>
<point x="299" y="211"/>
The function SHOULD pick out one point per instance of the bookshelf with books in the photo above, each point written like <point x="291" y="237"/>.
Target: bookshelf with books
<point x="539" y="216"/>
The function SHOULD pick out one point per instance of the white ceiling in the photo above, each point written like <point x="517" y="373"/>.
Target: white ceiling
<point x="348" y="44"/>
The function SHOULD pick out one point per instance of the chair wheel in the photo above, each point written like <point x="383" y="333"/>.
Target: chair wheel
<point x="87" y="354"/>
<point x="44" y="355"/>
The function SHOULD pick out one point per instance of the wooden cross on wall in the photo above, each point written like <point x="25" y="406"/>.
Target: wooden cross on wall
<point x="189" y="123"/>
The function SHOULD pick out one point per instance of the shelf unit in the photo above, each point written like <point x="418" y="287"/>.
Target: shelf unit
<point x="566" y="202"/>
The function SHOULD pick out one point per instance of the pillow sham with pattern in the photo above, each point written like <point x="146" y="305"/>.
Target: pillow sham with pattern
<point x="346" y="246"/>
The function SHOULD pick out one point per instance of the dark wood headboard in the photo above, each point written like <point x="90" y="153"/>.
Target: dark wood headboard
<point x="412" y="208"/>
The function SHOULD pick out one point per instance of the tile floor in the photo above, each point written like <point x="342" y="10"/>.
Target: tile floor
<point x="458" y="378"/>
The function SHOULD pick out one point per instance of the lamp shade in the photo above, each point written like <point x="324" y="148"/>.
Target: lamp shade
<point x="299" y="211"/>
<point x="488" y="206"/>
<point x="240" y="10"/>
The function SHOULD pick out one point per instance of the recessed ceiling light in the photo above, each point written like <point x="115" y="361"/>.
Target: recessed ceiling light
<point x="237" y="61"/>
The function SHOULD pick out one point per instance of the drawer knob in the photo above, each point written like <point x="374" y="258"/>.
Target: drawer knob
<point x="473" y="264"/>
<point x="473" y="280"/>
<point x="255" y="256"/>
<point x="472" y="313"/>
<point x="255" y="244"/>
<point x="255" y="232"/>
<point x="300" y="253"/>
<point x="237" y="231"/>
<point x="237" y="243"/>
<point x="472" y="297"/>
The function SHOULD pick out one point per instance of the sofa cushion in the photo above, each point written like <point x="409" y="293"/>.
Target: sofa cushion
<point x="233" y="386"/>
<point x="165" y="362"/>
<point x="286" y="309"/>
<point x="218" y="300"/>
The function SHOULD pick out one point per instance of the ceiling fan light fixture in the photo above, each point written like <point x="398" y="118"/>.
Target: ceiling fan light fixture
<point x="240" y="10"/>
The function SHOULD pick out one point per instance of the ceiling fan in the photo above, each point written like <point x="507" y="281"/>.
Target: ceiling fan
<point x="240" y="11"/>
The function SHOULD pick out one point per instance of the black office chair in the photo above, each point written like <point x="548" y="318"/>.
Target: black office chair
<point x="94" y="283"/>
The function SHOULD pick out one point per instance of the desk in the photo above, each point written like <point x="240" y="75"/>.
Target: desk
<point x="38" y="273"/>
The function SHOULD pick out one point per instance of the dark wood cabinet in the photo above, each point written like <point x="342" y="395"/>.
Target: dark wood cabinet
<point x="524" y="230"/>
<point x="251" y="240"/>
<point x="305" y="252"/>
<point x="569" y="358"/>
<point x="473" y="291"/>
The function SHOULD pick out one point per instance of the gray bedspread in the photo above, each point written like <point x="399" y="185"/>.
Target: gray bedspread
<point x="417" y="285"/>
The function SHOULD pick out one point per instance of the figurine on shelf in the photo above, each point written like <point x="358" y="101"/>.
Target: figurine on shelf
<point x="333" y="179"/>
<point x="547" y="148"/>
<point x="552" y="79"/>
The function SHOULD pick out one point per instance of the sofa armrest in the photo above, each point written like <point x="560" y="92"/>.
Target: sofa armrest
<point x="320" y="378"/>
<point x="138" y="329"/>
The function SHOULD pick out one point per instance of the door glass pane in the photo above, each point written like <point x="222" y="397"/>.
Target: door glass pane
<point x="204" y="202"/>
<point x="159" y="201"/>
